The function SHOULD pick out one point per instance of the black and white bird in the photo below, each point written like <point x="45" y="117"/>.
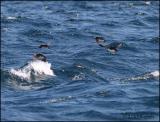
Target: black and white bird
<point x="44" y="46"/>
<point x="40" y="57"/>
<point x="112" y="47"/>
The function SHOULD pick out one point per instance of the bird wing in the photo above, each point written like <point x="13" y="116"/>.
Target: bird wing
<point x="102" y="44"/>
<point x="114" y="45"/>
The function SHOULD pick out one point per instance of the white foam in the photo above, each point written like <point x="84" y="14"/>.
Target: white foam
<point x="21" y="73"/>
<point x="35" y="68"/>
<point x="147" y="2"/>
<point x="155" y="73"/>
<point x="80" y="76"/>
<point x="42" y="67"/>
<point x="150" y="75"/>
<point x="11" y="18"/>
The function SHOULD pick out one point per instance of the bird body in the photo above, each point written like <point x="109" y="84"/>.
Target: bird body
<point x="112" y="47"/>
<point x="44" y="45"/>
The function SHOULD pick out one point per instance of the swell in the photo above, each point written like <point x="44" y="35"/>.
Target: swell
<point x="14" y="82"/>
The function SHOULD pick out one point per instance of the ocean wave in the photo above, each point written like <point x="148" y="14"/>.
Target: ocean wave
<point x="33" y="70"/>
<point x="90" y="84"/>
<point x="149" y="75"/>
<point x="18" y="80"/>
<point x="137" y="23"/>
<point x="37" y="33"/>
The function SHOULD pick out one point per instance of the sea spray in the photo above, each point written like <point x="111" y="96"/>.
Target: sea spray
<point x="33" y="68"/>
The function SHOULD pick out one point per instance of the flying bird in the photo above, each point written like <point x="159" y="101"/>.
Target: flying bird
<point x="112" y="47"/>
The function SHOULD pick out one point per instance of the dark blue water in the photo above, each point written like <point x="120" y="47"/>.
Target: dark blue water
<point x="89" y="82"/>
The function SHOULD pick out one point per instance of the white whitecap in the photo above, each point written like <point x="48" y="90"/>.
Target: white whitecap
<point x="42" y="67"/>
<point x="80" y="76"/>
<point x="147" y="2"/>
<point x="11" y="18"/>
<point x="155" y="73"/>
<point x="34" y="68"/>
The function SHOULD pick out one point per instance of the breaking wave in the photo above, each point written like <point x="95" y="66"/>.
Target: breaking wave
<point x="33" y="70"/>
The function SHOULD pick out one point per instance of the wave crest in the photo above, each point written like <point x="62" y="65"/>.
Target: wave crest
<point x="33" y="69"/>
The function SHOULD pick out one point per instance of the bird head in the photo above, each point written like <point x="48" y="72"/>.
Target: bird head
<point x="99" y="39"/>
<point x="40" y="56"/>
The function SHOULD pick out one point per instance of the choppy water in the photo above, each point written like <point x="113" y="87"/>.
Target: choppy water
<point x="90" y="83"/>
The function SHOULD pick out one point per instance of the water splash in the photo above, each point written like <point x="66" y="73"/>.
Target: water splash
<point x="11" y="18"/>
<point x="33" y="69"/>
<point x="80" y="76"/>
<point x="57" y="100"/>
<point x="150" y="75"/>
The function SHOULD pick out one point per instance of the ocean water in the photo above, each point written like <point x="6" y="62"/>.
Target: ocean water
<point x="90" y="83"/>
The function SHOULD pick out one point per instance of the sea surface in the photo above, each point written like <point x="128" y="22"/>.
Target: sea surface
<point x="90" y="83"/>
